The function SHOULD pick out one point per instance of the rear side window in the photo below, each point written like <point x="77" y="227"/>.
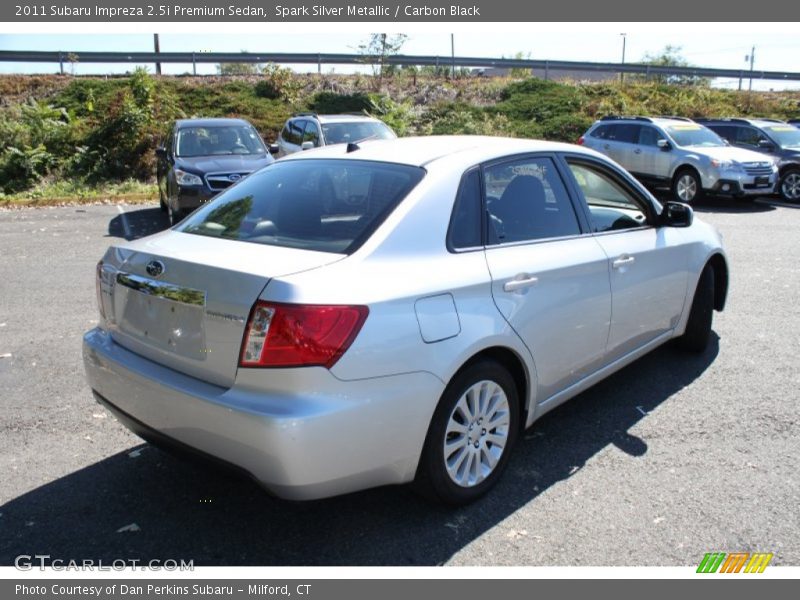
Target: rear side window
<point x="600" y="132"/>
<point x="324" y="205"/>
<point x="624" y="133"/>
<point x="465" y="224"/>
<point x="526" y="200"/>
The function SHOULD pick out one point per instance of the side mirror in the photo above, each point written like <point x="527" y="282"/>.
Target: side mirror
<point x="306" y="145"/>
<point x="161" y="152"/>
<point x="677" y="214"/>
<point x="766" y="145"/>
<point x="273" y="149"/>
<point x="664" y="145"/>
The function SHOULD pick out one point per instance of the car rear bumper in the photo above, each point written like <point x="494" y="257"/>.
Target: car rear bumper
<point x="310" y="436"/>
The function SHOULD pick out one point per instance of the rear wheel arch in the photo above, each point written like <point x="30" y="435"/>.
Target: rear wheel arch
<point x="512" y="362"/>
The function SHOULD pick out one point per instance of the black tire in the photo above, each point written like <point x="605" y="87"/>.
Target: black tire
<point x="686" y="186"/>
<point x="698" y="327"/>
<point x="433" y="479"/>
<point x="789" y="186"/>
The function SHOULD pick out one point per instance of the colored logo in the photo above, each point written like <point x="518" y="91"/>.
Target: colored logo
<point x="735" y="562"/>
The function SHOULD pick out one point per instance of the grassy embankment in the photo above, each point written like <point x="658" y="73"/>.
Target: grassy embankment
<point x="65" y="139"/>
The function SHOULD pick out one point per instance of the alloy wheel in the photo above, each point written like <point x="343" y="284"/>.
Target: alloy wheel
<point x="790" y="186"/>
<point x="686" y="188"/>
<point x="477" y="433"/>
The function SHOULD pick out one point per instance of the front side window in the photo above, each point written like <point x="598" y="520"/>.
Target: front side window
<point x="526" y="200"/>
<point x="649" y="136"/>
<point x="325" y="205"/>
<point x="311" y="133"/>
<point x="749" y="136"/>
<point x="611" y="206"/>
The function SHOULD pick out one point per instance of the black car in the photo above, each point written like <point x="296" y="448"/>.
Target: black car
<point x="778" y="139"/>
<point x="202" y="157"/>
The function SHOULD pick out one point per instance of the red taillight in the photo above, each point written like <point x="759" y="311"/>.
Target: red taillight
<point x="294" y="335"/>
<point x="580" y="141"/>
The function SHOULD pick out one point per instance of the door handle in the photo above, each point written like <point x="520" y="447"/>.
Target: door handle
<point x="520" y="282"/>
<point x="637" y="151"/>
<point x="623" y="261"/>
<point x="606" y="146"/>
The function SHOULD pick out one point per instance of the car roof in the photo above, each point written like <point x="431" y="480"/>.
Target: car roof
<point x="639" y="120"/>
<point x="756" y="122"/>
<point x="422" y="151"/>
<point x="339" y="118"/>
<point x="210" y="122"/>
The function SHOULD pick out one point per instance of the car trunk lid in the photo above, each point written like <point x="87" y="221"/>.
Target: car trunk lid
<point x="183" y="300"/>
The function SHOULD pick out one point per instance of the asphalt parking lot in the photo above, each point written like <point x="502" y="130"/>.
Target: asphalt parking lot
<point x="673" y="457"/>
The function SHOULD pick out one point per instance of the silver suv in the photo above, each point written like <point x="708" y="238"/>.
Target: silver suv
<point x="682" y="154"/>
<point x="310" y="130"/>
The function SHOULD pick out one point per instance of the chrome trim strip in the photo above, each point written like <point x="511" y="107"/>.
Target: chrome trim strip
<point x="169" y="291"/>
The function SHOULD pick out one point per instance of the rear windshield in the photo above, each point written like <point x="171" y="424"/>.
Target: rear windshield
<point x="326" y="205"/>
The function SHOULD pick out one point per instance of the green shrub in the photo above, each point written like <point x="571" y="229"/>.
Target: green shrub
<point x="332" y="103"/>
<point x="20" y="168"/>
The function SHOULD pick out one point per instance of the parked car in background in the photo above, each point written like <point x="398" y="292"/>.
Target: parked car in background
<point x="795" y="122"/>
<point x="777" y="139"/>
<point x="201" y="157"/>
<point x="396" y="311"/>
<point x="679" y="153"/>
<point x="310" y="130"/>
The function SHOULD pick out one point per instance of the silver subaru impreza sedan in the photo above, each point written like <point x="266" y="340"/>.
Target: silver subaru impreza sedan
<point x="396" y="311"/>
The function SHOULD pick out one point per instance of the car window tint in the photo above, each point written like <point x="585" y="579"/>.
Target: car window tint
<point x="649" y="136"/>
<point x="311" y="133"/>
<point x="526" y="200"/>
<point x="465" y="224"/>
<point x="624" y="132"/>
<point x="323" y="205"/>
<point x="749" y="135"/>
<point x="286" y="133"/>
<point x="726" y="132"/>
<point x="611" y="206"/>
<point x="355" y="131"/>
<point x="600" y="132"/>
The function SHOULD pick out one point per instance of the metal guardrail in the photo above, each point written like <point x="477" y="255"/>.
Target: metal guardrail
<point x="442" y="61"/>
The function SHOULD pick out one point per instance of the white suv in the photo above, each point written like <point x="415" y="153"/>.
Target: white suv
<point x="682" y="154"/>
<point x="310" y="130"/>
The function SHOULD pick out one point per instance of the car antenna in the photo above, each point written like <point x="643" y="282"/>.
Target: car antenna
<point x="352" y="147"/>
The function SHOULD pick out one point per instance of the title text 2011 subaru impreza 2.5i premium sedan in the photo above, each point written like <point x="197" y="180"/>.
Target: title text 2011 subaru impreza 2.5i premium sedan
<point x="398" y="312"/>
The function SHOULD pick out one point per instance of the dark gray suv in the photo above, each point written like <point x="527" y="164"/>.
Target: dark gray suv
<point x="778" y="139"/>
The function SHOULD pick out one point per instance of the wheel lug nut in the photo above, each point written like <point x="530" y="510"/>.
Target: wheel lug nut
<point x="483" y="432"/>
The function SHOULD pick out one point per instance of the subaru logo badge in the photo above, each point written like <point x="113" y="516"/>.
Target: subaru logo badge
<point x="154" y="268"/>
<point x="234" y="177"/>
